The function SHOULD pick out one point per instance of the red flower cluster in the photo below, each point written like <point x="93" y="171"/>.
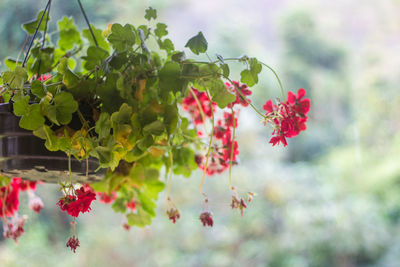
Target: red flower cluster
<point x="80" y="202"/>
<point x="207" y="218"/>
<point x="14" y="228"/>
<point x="9" y="198"/>
<point x="73" y="243"/>
<point x="236" y="87"/>
<point x="190" y="105"/>
<point x="106" y="198"/>
<point x="289" y="118"/>
<point x="131" y="205"/>
<point x="221" y="153"/>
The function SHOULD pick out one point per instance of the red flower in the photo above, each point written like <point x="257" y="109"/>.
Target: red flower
<point x="44" y="77"/>
<point x="131" y="205"/>
<point x="73" y="243"/>
<point x="79" y="203"/>
<point x="36" y="204"/>
<point x="289" y="118"/>
<point x="207" y="219"/>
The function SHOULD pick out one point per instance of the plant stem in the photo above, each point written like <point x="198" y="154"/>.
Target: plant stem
<point x="232" y="148"/>
<point x="200" y="108"/>
<point x="171" y="160"/>
<point x="209" y="146"/>
<point x="277" y="77"/>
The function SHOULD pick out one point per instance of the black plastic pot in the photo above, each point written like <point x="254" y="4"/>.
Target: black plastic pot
<point x="24" y="155"/>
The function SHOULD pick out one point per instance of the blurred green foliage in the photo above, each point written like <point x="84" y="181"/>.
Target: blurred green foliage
<point x="330" y="199"/>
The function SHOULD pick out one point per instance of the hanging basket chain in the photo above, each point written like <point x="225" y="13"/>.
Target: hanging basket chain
<point x="47" y="9"/>
<point x="88" y="23"/>
<point x="44" y="36"/>
<point x="36" y="31"/>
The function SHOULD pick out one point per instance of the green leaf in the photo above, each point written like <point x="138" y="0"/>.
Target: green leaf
<point x="152" y="175"/>
<point x="145" y="143"/>
<point x="65" y="105"/>
<point x="137" y="174"/>
<point x="31" y="25"/>
<point x="225" y="70"/>
<point x="121" y="38"/>
<point x="33" y="118"/>
<point x="140" y="219"/>
<point x="171" y="118"/>
<point x="197" y="44"/>
<point x="178" y="56"/>
<point x="156" y="128"/>
<point x="11" y="63"/>
<point x="69" y="34"/>
<point x="95" y="56"/>
<point x="220" y="94"/>
<point x="16" y="78"/>
<point x="169" y="79"/>
<point x="51" y="113"/>
<point x="119" y="205"/>
<point x="123" y="116"/>
<point x="21" y="105"/>
<point x="37" y="89"/>
<point x="101" y="41"/>
<point x="103" y="125"/>
<point x="4" y="181"/>
<point x="184" y="159"/>
<point x="167" y="45"/>
<point x="161" y="30"/>
<point x="151" y="13"/>
<point x="250" y="76"/>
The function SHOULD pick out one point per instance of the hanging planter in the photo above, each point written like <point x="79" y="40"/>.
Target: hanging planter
<point x="102" y="113"/>
<point x="25" y="155"/>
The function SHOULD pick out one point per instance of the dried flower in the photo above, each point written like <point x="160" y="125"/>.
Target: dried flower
<point x="73" y="243"/>
<point x="207" y="218"/>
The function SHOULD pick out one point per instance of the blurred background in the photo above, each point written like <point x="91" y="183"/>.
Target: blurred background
<point x="330" y="198"/>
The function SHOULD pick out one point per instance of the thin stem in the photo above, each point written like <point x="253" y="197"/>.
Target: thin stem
<point x="87" y="22"/>
<point x="203" y="117"/>
<point x="232" y="148"/>
<point x="34" y="35"/>
<point x="87" y="167"/>
<point x="277" y="77"/>
<point x="171" y="160"/>
<point x="69" y="168"/>
<point x="22" y="48"/>
<point x="209" y="146"/>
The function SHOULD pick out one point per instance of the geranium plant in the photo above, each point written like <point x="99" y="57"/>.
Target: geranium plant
<point x="143" y="108"/>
